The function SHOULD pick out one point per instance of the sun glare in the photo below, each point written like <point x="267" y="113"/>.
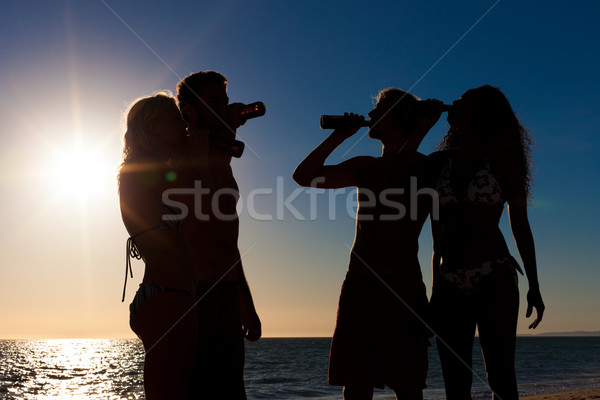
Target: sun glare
<point x="80" y="174"/>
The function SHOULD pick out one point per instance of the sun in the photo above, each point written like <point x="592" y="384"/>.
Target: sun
<point x="80" y="172"/>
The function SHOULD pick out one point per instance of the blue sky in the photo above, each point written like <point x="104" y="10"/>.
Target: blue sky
<point x="69" y="69"/>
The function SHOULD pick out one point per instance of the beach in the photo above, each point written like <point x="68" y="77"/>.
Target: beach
<point x="577" y="395"/>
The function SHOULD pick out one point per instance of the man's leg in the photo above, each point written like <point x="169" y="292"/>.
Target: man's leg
<point x="220" y="357"/>
<point x="358" y="392"/>
<point x="415" y="394"/>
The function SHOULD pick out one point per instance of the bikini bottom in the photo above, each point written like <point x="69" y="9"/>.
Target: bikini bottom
<point x="469" y="279"/>
<point x="144" y="291"/>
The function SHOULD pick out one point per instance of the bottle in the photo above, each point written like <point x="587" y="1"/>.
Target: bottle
<point x="234" y="147"/>
<point x="253" y="110"/>
<point x="339" y="122"/>
<point x="428" y="107"/>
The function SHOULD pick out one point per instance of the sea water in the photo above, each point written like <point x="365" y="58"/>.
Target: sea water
<point x="284" y="368"/>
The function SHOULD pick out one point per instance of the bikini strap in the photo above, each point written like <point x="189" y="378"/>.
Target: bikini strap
<point x="131" y="250"/>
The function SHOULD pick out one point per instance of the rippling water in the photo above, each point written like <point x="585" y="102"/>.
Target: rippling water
<point x="71" y="369"/>
<point x="275" y="369"/>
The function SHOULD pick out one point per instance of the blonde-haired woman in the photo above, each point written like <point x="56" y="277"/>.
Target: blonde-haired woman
<point x="162" y="313"/>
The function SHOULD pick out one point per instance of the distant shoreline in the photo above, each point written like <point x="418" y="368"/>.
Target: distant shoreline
<point x="526" y="335"/>
<point x="563" y="334"/>
<point x="577" y="395"/>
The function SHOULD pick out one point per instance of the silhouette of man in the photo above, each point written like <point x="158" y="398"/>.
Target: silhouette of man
<point x="378" y="339"/>
<point x="225" y="307"/>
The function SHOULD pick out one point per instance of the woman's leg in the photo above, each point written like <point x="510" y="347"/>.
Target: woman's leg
<point x="454" y="326"/>
<point x="497" y="333"/>
<point x="169" y="337"/>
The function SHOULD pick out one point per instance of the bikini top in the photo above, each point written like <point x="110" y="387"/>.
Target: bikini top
<point x="482" y="190"/>
<point x="170" y="220"/>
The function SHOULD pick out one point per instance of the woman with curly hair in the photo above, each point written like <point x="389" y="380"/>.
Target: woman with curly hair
<point x="162" y="313"/>
<point x="484" y="163"/>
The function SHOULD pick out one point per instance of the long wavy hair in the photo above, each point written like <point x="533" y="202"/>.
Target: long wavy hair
<point x="498" y="134"/>
<point x="139" y="141"/>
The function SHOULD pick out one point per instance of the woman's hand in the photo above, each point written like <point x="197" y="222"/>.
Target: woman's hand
<point x="534" y="300"/>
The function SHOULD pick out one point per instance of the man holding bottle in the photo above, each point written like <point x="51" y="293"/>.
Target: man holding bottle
<point x="224" y="304"/>
<point x="381" y="337"/>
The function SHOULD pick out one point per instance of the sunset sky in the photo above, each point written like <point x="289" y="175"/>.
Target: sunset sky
<point x="69" y="69"/>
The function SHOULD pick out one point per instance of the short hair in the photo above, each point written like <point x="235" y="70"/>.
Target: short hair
<point x="191" y="85"/>
<point x="403" y="103"/>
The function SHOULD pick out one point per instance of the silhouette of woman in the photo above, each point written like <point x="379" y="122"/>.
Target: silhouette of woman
<point x="380" y="337"/>
<point x="483" y="163"/>
<point x="162" y="312"/>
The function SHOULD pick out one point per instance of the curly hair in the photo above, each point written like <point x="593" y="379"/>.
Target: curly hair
<point x="500" y="135"/>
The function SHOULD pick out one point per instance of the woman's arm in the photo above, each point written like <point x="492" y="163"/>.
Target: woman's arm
<point x="521" y="230"/>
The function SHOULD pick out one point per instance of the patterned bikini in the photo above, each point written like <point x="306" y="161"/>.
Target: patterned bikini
<point x="482" y="190"/>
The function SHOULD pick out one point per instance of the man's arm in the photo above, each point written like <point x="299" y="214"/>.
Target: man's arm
<point x="251" y="325"/>
<point x="436" y="257"/>
<point x="312" y="172"/>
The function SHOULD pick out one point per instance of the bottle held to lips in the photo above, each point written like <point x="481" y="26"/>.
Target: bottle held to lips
<point x="339" y="122"/>
<point x="253" y="110"/>
<point x="427" y="107"/>
<point x="232" y="146"/>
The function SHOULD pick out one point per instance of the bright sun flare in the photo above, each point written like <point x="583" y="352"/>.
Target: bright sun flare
<point x="77" y="173"/>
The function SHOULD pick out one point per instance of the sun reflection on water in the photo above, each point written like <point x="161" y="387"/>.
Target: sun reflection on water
<point x="71" y="369"/>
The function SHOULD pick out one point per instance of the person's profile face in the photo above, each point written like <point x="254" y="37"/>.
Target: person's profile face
<point x="169" y="129"/>
<point x="460" y="115"/>
<point x="380" y="118"/>
<point x="214" y="101"/>
<point x="386" y="125"/>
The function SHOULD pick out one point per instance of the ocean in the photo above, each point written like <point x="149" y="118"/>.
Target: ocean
<point x="276" y="368"/>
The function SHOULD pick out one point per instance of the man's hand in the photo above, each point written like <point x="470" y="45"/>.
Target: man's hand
<point x="355" y="124"/>
<point x="233" y="117"/>
<point x="251" y="326"/>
